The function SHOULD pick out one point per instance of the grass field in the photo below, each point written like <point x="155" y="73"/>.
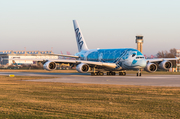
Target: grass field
<point x="24" y="99"/>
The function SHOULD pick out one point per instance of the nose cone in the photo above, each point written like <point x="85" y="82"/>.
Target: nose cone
<point x="142" y="63"/>
<point x="139" y="64"/>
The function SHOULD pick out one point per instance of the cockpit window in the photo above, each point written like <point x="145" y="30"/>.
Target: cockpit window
<point x="133" y="55"/>
<point x="139" y="57"/>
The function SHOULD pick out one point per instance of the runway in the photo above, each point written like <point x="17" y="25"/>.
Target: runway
<point x="130" y="79"/>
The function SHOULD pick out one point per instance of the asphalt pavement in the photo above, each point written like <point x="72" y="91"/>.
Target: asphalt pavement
<point x="130" y="79"/>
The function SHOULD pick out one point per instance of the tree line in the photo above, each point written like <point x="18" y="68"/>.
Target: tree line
<point x="166" y="54"/>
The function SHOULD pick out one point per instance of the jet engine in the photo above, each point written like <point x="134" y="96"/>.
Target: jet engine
<point x="166" y="65"/>
<point x="82" y="68"/>
<point x="150" y="67"/>
<point x="49" y="65"/>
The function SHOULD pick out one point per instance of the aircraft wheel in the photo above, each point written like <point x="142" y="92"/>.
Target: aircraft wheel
<point x="124" y="73"/>
<point x="114" y="73"/>
<point x="101" y="73"/>
<point x="111" y="73"/>
<point x="92" y="74"/>
<point x="96" y="73"/>
<point x="138" y="74"/>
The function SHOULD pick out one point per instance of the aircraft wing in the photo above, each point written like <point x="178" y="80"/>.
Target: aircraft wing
<point x="161" y="59"/>
<point x="103" y="64"/>
<point x="54" y="55"/>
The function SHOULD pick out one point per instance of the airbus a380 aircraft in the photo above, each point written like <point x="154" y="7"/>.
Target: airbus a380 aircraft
<point x="98" y="61"/>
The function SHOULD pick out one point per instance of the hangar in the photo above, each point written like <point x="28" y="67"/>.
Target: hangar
<point x="9" y="55"/>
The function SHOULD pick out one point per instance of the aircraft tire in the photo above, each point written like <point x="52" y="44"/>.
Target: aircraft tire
<point x="114" y="73"/>
<point x="124" y="73"/>
<point x="101" y="73"/>
<point x="96" y="73"/>
<point x="138" y="74"/>
<point x="111" y="73"/>
<point x="92" y="74"/>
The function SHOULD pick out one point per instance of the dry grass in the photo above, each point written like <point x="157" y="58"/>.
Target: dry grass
<point x="23" y="99"/>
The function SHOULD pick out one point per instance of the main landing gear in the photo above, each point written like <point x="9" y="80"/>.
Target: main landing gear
<point x="97" y="73"/>
<point x="122" y="73"/>
<point x="114" y="73"/>
<point x="110" y="73"/>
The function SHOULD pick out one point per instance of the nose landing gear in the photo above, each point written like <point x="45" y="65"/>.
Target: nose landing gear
<point x="139" y="72"/>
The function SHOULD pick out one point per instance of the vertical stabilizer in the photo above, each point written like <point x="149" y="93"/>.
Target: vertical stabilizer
<point x="79" y="37"/>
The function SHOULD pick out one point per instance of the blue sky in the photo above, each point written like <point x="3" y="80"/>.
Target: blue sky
<point x="42" y="24"/>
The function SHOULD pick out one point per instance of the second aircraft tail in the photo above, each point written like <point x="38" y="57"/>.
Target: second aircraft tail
<point x="79" y="37"/>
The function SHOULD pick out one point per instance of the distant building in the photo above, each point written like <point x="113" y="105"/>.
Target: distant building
<point x="139" y="41"/>
<point x="178" y="61"/>
<point x="9" y="55"/>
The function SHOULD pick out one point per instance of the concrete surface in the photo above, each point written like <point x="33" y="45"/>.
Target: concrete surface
<point x="130" y="79"/>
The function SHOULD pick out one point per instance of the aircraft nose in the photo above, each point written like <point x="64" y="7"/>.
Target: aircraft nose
<point x="143" y="63"/>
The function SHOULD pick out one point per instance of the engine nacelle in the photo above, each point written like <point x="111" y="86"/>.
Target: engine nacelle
<point x="150" y="67"/>
<point x="166" y="65"/>
<point x="82" y="68"/>
<point x="49" y="66"/>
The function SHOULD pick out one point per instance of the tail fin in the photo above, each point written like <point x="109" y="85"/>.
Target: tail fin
<point x="79" y="37"/>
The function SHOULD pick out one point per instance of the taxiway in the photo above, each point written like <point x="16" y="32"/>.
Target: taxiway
<point x="130" y="79"/>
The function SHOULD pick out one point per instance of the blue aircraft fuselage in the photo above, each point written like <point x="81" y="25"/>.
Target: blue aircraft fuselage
<point x="125" y="58"/>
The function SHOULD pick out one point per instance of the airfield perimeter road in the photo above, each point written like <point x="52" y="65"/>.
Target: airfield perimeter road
<point x="130" y="79"/>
